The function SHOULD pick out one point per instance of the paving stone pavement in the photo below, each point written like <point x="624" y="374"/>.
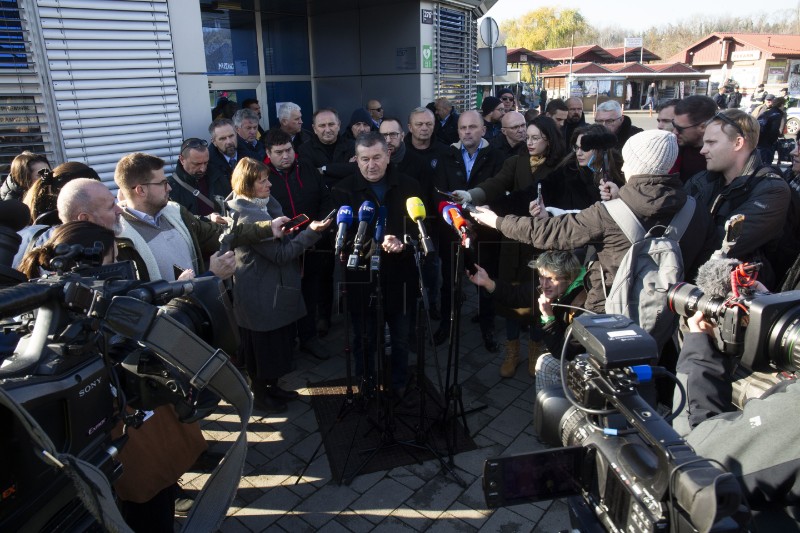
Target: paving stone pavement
<point x="417" y="497"/>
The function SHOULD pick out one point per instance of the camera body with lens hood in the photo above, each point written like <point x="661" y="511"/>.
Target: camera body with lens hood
<point x="78" y="371"/>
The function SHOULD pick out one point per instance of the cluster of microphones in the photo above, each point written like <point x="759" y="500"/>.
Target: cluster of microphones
<point x="367" y="213"/>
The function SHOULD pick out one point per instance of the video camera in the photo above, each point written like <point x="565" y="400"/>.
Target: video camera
<point x="84" y="357"/>
<point x="623" y="468"/>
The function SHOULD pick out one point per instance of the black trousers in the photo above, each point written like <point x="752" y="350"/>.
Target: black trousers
<point x="157" y="515"/>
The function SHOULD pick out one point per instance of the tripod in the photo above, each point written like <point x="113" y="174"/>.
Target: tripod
<point x="422" y="434"/>
<point x="349" y="402"/>
<point x="385" y="414"/>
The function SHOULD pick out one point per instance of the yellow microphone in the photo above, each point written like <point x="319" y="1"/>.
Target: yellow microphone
<point x="416" y="210"/>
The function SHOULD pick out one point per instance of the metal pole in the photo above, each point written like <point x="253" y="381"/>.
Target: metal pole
<point x="641" y="50"/>
<point x="491" y="66"/>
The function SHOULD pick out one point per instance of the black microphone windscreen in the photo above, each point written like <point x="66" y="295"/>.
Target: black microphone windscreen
<point x="14" y="214"/>
<point x="598" y="141"/>
<point x="714" y="277"/>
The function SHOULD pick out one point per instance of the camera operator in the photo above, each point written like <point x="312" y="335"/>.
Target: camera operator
<point x="162" y="448"/>
<point x="758" y="444"/>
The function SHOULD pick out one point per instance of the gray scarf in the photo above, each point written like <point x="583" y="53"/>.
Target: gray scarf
<point x="398" y="154"/>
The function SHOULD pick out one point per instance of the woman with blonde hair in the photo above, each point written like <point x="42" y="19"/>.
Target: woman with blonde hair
<point x="266" y="286"/>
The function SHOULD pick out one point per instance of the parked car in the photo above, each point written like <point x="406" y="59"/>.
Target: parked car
<point x="792" y="120"/>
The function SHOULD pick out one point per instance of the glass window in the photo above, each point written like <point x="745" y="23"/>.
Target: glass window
<point x="219" y="97"/>
<point x="285" y="44"/>
<point x="12" y="45"/>
<point x="229" y="37"/>
<point x="298" y="92"/>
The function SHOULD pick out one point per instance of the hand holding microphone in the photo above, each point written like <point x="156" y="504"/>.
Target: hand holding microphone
<point x="416" y="210"/>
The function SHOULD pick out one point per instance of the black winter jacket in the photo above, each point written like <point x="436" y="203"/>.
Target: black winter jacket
<point x="217" y="186"/>
<point x="337" y="166"/>
<point x="300" y="189"/>
<point x="245" y="149"/>
<point x="447" y="134"/>
<point x="626" y="131"/>
<point x="219" y="170"/>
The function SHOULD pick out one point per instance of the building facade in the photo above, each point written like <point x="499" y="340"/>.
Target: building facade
<point x="93" y="80"/>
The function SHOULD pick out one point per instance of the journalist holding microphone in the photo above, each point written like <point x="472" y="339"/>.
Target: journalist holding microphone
<point x="267" y="295"/>
<point x="378" y="187"/>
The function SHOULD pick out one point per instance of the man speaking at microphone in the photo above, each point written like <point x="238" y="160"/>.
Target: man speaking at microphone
<point x="384" y="186"/>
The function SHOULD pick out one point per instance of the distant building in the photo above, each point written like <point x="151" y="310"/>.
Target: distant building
<point x="747" y="60"/>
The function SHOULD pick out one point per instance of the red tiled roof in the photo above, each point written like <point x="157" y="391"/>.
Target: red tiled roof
<point x="577" y="68"/>
<point x="564" y="54"/>
<point x="632" y="53"/>
<point x="649" y="70"/>
<point x="513" y="56"/>
<point x="629" y="68"/>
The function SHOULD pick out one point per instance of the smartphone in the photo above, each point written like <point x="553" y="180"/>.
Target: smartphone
<point x="330" y="215"/>
<point x="296" y="222"/>
<point x="452" y="197"/>
<point x="539" y="200"/>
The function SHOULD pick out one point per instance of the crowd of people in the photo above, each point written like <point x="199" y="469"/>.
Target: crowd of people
<point x="542" y="238"/>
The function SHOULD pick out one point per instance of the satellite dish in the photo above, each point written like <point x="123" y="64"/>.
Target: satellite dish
<point x="490" y="32"/>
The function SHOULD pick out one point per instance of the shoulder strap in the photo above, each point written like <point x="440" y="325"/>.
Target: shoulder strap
<point x="681" y="220"/>
<point x="194" y="192"/>
<point x="625" y="219"/>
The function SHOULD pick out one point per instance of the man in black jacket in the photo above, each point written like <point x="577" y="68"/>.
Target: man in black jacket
<point x="331" y="153"/>
<point x="191" y="174"/>
<point x="512" y="140"/>
<point x="299" y="188"/>
<point x="575" y="117"/>
<point x="222" y="153"/>
<point x="421" y="138"/>
<point x="380" y="183"/>
<point x="245" y="122"/>
<point x="446" y="129"/>
<point x="466" y="165"/>
<point x="609" y="114"/>
<point x="290" y="118"/>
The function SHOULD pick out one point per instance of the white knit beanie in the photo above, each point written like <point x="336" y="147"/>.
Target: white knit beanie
<point x="649" y="152"/>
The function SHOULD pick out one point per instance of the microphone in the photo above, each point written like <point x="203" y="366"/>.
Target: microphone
<point x="416" y="210"/>
<point x="452" y="215"/>
<point x="598" y="141"/>
<point x="380" y="231"/>
<point x="714" y="276"/>
<point x="365" y="215"/>
<point x="344" y="217"/>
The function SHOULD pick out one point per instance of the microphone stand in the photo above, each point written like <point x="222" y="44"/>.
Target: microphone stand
<point x="453" y="396"/>
<point x="349" y="402"/>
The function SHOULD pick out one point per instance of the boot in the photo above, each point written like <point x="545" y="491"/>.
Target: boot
<point x="509" y="366"/>
<point x="534" y="352"/>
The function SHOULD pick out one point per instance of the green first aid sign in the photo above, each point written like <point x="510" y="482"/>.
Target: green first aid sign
<point x="427" y="56"/>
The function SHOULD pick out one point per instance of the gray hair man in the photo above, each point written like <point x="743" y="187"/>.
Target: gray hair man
<point x="245" y="122"/>
<point x="609" y="114"/>
<point x="290" y="118"/>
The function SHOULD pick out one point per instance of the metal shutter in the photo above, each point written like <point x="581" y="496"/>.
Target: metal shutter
<point x="23" y="108"/>
<point x="114" y="82"/>
<point x="456" y="57"/>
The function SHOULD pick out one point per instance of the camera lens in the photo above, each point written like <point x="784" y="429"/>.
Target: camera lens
<point x="784" y="346"/>
<point x="686" y="299"/>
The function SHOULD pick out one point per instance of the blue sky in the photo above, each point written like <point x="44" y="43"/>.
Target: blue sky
<point x="635" y="15"/>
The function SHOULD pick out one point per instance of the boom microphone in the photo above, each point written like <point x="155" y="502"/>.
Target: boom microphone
<point x="344" y="217"/>
<point x="598" y="141"/>
<point x="416" y="210"/>
<point x="714" y="277"/>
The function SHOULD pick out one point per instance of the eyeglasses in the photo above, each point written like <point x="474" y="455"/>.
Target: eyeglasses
<point x="164" y="183"/>
<point x="507" y="98"/>
<point x="681" y="129"/>
<point x="534" y="139"/>
<point x="727" y="120"/>
<point x="517" y="127"/>
<point x="376" y="109"/>
<point x="392" y="135"/>
<point x="194" y="142"/>
<point x="607" y="122"/>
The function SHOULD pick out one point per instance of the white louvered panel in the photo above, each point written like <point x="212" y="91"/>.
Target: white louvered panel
<point x="117" y="93"/>
<point x="114" y="80"/>
<point x="60" y="44"/>
<point x="127" y="129"/>
<point x="120" y="120"/>
<point x="115" y="139"/>
<point x="112" y="104"/>
<point x="121" y="149"/>
<point x="108" y="55"/>
<point x="88" y="85"/>
<point x="84" y="15"/>
<point x="71" y="65"/>
<point x="89" y="35"/>
<point x="108" y="168"/>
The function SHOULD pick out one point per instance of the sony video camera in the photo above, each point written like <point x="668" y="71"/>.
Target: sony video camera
<point x="77" y="370"/>
<point x="623" y="467"/>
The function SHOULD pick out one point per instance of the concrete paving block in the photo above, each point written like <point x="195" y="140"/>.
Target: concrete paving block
<point x="233" y="525"/>
<point x="501" y="396"/>
<point x="524" y="443"/>
<point x="322" y="506"/>
<point x="555" y="519"/>
<point x="427" y="470"/>
<point x="267" y="509"/>
<point x="448" y="524"/>
<point x="473" y="498"/>
<point x="528" y="511"/>
<point x="295" y="524"/>
<point x="364" y="482"/>
<point x="415" y="519"/>
<point x="505" y="520"/>
<point x="472" y="462"/>
<point x="383" y="498"/>
<point x="393" y="524"/>
<point x="461" y="512"/>
<point x="435" y="497"/>
<point x="333" y="527"/>
<point x="497" y="436"/>
<point x="406" y="477"/>
<point x="353" y="522"/>
<point x="512" y="421"/>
